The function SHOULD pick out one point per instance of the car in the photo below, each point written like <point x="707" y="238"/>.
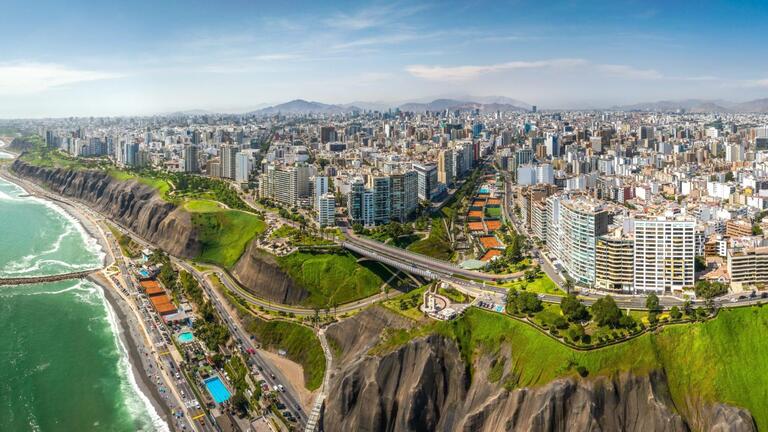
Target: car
<point x="741" y="297"/>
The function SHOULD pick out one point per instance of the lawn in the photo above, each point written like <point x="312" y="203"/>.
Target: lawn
<point x="202" y="206"/>
<point x="333" y="278"/>
<point x="493" y="212"/>
<point x="721" y="360"/>
<point x="437" y="244"/>
<point x="298" y="341"/>
<point x="225" y="234"/>
<point x="407" y="304"/>
<point x="541" y="285"/>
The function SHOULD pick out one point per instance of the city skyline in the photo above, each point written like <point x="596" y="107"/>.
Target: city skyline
<point x="143" y="58"/>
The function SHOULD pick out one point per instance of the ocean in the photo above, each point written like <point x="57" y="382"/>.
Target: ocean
<point x="62" y="366"/>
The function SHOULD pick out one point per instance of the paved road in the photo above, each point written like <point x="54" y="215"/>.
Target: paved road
<point x="272" y="375"/>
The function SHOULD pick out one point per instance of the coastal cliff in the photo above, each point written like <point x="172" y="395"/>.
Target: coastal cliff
<point x="259" y="273"/>
<point x="424" y="385"/>
<point x="133" y="204"/>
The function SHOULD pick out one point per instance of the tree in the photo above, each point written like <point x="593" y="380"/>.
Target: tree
<point x="605" y="312"/>
<point x="573" y="309"/>
<point x="699" y="264"/>
<point x="729" y="177"/>
<point x="652" y="302"/>
<point x="675" y="313"/>
<point x="626" y="321"/>
<point x="576" y="332"/>
<point x="708" y="290"/>
<point x="568" y="285"/>
<point x="240" y="403"/>
<point x="527" y="302"/>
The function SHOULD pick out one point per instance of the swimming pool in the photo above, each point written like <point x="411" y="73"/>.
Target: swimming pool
<point x="186" y="337"/>
<point x="484" y="190"/>
<point x="217" y="389"/>
<point x="144" y="273"/>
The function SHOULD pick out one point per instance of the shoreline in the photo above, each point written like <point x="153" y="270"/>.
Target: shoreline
<point x="129" y="332"/>
<point x="68" y="208"/>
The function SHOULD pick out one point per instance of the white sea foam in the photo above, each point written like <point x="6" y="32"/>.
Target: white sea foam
<point x="71" y="225"/>
<point x="139" y="403"/>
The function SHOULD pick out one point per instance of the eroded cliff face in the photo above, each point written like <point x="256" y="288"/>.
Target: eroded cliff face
<point x="132" y="204"/>
<point x="425" y="386"/>
<point x="260" y="274"/>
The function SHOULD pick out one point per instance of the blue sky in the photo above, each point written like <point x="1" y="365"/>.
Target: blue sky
<point x="89" y="57"/>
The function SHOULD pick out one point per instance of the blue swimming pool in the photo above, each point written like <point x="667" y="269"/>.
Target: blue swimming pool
<point x="217" y="389"/>
<point x="186" y="337"/>
<point x="144" y="273"/>
<point x="484" y="190"/>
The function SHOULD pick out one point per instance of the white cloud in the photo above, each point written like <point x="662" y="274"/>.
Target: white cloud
<point x="468" y="72"/>
<point x="26" y="78"/>
<point x="374" y="16"/>
<point x="460" y="73"/>
<point x="629" y="72"/>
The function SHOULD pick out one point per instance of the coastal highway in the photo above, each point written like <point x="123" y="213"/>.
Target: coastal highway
<point x="287" y="397"/>
<point x="272" y="375"/>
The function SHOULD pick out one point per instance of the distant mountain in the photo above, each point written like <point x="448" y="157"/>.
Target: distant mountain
<point x="698" y="106"/>
<point x="501" y="104"/>
<point x="187" y="113"/>
<point x="301" y="106"/>
<point x="758" y="105"/>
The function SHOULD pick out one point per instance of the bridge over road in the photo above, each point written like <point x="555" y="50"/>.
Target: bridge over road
<point x="42" y="279"/>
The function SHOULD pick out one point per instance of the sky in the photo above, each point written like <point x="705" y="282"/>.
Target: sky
<point x="107" y="58"/>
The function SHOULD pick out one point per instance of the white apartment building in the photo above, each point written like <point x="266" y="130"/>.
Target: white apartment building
<point x="326" y="210"/>
<point x="664" y="254"/>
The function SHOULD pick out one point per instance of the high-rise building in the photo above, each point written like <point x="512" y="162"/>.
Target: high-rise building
<point x="191" y="161"/>
<point x="381" y="186"/>
<point x="243" y="167"/>
<point x="320" y="188"/>
<point x="327" y="134"/>
<point x="326" y="210"/>
<point x="445" y="172"/>
<point x="664" y="254"/>
<point x="131" y="157"/>
<point x="552" y="145"/>
<point x="404" y="192"/>
<point x="581" y="221"/>
<point x="614" y="259"/>
<point x="228" y="153"/>
<point x="355" y="200"/>
<point x="427" y="181"/>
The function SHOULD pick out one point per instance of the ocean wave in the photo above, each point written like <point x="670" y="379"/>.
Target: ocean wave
<point x="85" y="288"/>
<point x="72" y="225"/>
<point x="139" y="404"/>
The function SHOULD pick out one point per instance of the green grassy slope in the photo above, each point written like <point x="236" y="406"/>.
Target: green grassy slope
<point x="437" y="244"/>
<point x="225" y="234"/>
<point x="333" y="278"/>
<point x="299" y="342"/>
<point x="722" y="360"/>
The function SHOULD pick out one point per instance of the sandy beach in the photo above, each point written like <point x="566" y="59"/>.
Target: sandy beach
<point x="130" y="332"/>
<point x="141" y="363"/>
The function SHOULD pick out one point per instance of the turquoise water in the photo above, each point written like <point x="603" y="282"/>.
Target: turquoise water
<point x="62" y="366"/>
<point x="186" y="337"/>
<point x="39" y="238"/>
<point x="484" y="190"/>
<point x="217" y="389"/>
